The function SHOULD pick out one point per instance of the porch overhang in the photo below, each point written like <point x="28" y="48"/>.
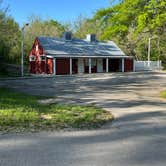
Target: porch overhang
<point x="88" y="56"/>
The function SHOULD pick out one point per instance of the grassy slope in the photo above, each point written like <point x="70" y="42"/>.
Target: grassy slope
<point x="20" y="112"/>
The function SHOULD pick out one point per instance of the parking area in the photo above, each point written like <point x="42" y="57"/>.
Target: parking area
<point x="136" y="137"/>
<point x="117" y="92"/>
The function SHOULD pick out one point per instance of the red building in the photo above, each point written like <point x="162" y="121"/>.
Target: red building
<point x="66" y="55"/>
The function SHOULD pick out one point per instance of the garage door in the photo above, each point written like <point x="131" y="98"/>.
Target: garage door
<point x="62" y="66"/>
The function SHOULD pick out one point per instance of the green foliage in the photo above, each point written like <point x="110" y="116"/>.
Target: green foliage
<point x="10" y="37"/>
<point x="21" y="112"/>
<point x="38" y="27"/>
<point x="163" y="94"/>
<point x="130" y="23"/>
<point x="84" y="26"/>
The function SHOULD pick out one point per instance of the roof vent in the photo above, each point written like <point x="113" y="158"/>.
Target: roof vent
<point x="67" y="36"/>
<point x="91" y="37"/>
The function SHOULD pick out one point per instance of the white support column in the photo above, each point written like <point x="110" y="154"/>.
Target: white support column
<point x="160" y="65"/>
<point x="106" y="65"/>
<point x="54" y="66"/>
<point x="90" y="66"/>
<point x="134" y="65"/>
<point x="71" y="66"/>
<point x="122" y="64"/>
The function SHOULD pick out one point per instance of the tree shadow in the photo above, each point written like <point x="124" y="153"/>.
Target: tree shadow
<point x="130" y="142"/>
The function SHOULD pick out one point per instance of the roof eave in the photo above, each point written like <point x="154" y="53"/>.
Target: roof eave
<point x="86" y="56"/>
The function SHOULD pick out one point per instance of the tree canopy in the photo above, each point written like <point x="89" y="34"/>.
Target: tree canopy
<point x="9" y="36"/>
<point x="130" y="24"/>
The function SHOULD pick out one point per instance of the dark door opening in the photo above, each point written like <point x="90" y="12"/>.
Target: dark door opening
<point x="104" y="65"/>
<point x="86" y="65"/>
<point x="74" y="66"/>
<point x="114" y="65"/>
<point x="94" y="65"/>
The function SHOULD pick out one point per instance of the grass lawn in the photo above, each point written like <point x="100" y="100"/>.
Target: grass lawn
<point x="21" y="112"/>
<point x="163" y="94"/>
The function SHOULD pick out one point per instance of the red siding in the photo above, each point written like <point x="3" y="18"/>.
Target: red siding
<point x="49" y="66"/>
<point x="32" y="67"/>
<point x="62" y="66"/>
<point x="37" y="66"/>
<point x="128" y="65"/>
<point x="43" y="67"/>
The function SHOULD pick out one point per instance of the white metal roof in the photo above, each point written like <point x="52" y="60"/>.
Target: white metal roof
<point x="57" y="47"/>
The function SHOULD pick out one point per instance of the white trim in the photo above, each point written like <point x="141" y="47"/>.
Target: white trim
<point x="107" y="60"/>
<point x="122" y="64"/>
<point x="90" y="71"/>
<point x="71" y="66"/>
<point x="54" y="66"/>
<point x="32" y="58"/>
<point x="88" y="56"/>
<point x="50" y="56"/>
<point x="133" y="65"/>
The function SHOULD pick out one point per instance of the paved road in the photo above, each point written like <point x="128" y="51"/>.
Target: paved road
<point x="137" y="136"/>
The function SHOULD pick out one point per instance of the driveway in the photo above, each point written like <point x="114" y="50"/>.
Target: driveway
<point x="137" y="136"/>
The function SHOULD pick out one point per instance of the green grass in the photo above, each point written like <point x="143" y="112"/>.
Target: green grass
<point x="22" y="112"/>
<point x="163" y="94"/>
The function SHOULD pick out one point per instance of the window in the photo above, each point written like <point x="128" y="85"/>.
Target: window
<point x="32" y="58"/>
<point x="42" y="58"/>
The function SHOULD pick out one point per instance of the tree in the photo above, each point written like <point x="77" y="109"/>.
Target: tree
<point x="130" y="23"/>
<point x="10" y="37"/>
<point x="84" y="26"/>
<point x="39" y="27"/>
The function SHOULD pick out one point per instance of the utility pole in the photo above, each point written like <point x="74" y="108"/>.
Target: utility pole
<point x="149" y="49"/>
<point x="22" y="49"/>
<point x="158" y="45"/>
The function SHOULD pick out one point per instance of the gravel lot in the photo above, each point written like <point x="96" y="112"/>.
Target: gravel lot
<point x="137" y="136"/>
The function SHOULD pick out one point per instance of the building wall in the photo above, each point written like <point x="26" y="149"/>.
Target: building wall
<point x="128" y="65"/>
<point x="99" y="65"/>
<point x="62" y="66"/>
<point x="80" y="65"/>
<point x="37" y="66"/>
<point x="49" y="65"/>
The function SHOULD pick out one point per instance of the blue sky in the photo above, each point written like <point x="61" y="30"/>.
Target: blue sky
<point x="61" y="10"/>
